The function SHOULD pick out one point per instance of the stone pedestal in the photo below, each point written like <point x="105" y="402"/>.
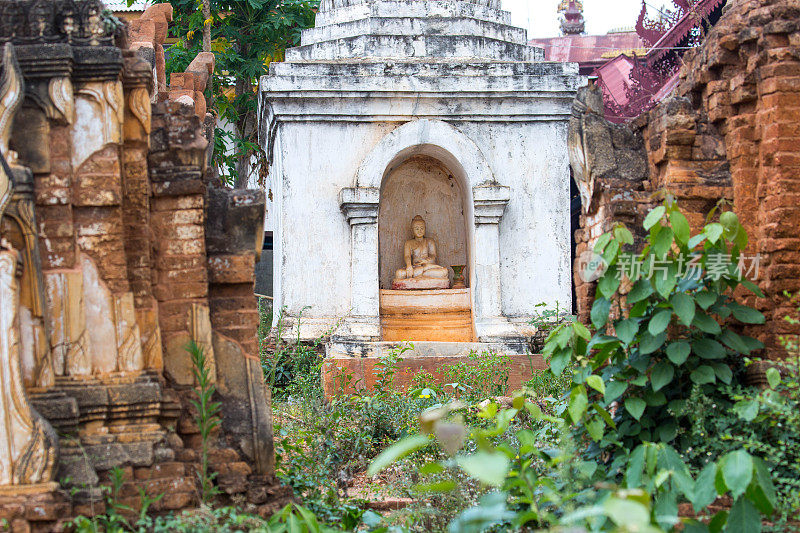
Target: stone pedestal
<point x="349" y="363"/>
<point x="427" y="315"/>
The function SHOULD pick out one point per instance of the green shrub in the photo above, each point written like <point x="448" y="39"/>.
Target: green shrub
<point x="290" y="368"/>
<point x="207" y="417"/>
<point x="765" y="422"/>
<point x="632" y="378"/>
<point x="614" y="465"/>
<point x="485" y="374"/>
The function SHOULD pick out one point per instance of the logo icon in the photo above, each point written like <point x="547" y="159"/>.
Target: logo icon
<point x="591" y="266"/>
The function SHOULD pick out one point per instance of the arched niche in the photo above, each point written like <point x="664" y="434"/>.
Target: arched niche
<point x="483" y="200"/>
<point x="421" y="185"/>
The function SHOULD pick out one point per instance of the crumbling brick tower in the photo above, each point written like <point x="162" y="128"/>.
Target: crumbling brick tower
<point x="117" y="250"/>
<point x="731" y="129"/>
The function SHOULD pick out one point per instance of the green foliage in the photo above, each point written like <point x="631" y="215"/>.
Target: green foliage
<point x="117" y="517"/>
<point x="546" y="316"/>
<point x="537" y="486"/>
<point x="765" y="422"/>
<point x="603" y="457"/>
<point x="291" y="369"/>
<point x="544" y="384"/>
<point x="207" y="417"/>
<point x="246" y="36"/>
<point x="321" y="445"/>
<point x="292" y="518"/>
<point x="669" y="339"/>
<point x="483" y="375"/>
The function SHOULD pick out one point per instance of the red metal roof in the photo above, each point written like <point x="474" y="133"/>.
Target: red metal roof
<point x="680" y="30"/>
<point x="588" y="48"/>
<point x="614" y="77"/>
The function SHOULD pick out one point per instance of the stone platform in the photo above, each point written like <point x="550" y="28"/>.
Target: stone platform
<point x="351" y="366"/>
<point x="442" y="315"/>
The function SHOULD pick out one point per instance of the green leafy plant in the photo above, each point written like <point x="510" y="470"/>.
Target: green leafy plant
<point x="484" y="374"/>
<point x="604" y="456"/>
<point x="116" y="518"/>
<point x="207" y="417"/>
<point x="245" y="36"/>
<point x="539" y="487"/>
<point x="546" y="316"/>
<point x="763" y="421"/>
<point x="632" y="376"/>
<point x="292" y="368"/>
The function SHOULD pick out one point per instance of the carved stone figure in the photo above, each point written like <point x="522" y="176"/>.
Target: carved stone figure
<point x="421" y="270"/>
<point x="27" y="442"/>
<point x="18" y="227"/>
<point x="79" y="22"/>
<point x="11" y="90"/>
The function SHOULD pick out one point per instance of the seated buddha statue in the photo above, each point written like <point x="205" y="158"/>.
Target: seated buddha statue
<point x="421" y="270"/>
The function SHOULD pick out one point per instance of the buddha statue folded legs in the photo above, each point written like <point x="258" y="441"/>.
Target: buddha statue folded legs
<point x="421" y="270"/>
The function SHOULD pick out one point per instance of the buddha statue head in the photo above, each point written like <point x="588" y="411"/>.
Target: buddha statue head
<point x="418" y="227"/>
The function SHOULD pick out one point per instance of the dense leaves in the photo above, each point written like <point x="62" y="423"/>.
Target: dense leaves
<point x="246" y="36"/>
<point x="668" y="336"/>
<point x="626" y="409"/>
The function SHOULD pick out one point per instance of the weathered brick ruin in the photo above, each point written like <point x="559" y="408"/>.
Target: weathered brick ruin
<point x="118" y="248"/>
<point x="731" y="129"/>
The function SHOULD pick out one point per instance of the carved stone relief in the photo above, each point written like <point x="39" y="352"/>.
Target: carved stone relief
<point x="177" y="361"/>
<point x="129" y="344"/>
<point x="78" y="22"/>
<point x="139" y="106"/>
<point x="28" y="449"/>
<point x="151" y="338"/>
<point x="67" y="320"/>
<point x="63" y="99"/>
<point x="99" y="312"/>
<point x="98" y="119"/>
<point x="18" y="227"/>
<point x="114" y="343"/>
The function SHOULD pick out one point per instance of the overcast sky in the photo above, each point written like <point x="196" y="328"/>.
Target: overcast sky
<point x="541" y="19"/>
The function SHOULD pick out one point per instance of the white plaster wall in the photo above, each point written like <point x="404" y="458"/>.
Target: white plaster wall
<point x="316" y="161"/>
<point x="531" y="159"/>
<point x="313" y="244"/>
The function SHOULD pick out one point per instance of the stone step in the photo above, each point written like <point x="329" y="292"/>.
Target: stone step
<point x="445" y="327"/>
<point x="421" y="46"/>
<point x="430" y="84"/>
<point x="415" y="26"/>
<point x="328" y="5"/>
<point x="419" y="69"/>
<point x="421" y="349"/>
<point x="426" y="315"/>
<point x="412" y="8"/>
<point x="346" y="373"/>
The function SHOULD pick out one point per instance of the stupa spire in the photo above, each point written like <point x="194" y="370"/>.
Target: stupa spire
<point x="572" y="22"/>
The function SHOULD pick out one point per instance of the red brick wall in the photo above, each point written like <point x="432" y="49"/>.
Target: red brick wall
<point x="54" y="203"/>
<point x="731" y="131"/>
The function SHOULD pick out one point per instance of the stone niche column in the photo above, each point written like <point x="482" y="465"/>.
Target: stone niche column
<point x="41" y="211"/>
<point x="28" y="444"/>
<point x="360" y="208"/>
<point x="176" y="162"/>
<point x="234" y="235"/>
<point x="137" y="83"/>
<point x="490" y="202"/>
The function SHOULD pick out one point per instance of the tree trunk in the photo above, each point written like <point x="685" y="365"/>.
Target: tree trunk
<point x="206" y="25"/>
<point x="245" y="128"/>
